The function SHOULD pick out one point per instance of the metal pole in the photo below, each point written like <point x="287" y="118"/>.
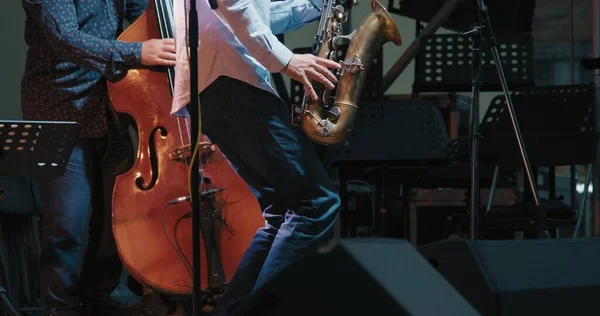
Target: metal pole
<point x="572" y="168"/>
<point x="572" y="40"/>
<point x="474" y="130"/>
<point x="487" y="27"/>
<point x="596" y="75"/>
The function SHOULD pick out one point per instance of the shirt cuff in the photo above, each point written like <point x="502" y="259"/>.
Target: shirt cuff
<point x="318" y="4"/>
<point x="279" y="58"/>
<point x="127" y="54"/>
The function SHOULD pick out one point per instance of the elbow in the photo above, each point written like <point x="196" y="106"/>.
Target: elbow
<point x="221" y="3"/>
<point x="60" y="45"/>
<point x="116" y="77"/>
<point x="231" y="6"/>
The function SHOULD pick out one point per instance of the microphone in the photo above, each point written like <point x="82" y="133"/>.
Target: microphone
<point x="202" y="195"/>
<point x="213" y="4"/>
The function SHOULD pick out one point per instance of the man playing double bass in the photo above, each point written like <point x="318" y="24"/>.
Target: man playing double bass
<point x="72" y="52"/>
<point x="243" y="115"/>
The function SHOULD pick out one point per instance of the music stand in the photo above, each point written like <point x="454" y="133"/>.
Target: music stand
<point x="443" y="58"/>
<point x="418" y="137"/>
<point x="36" y="148"/>
<point x="552" y="118"/>
<point x="416" y="127"/>
<point x="558" y="126"/>
<point x="6" y="306"/>
<point x="517" y="15"/>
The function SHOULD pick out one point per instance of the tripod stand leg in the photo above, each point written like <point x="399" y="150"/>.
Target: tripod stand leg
<point x="493" y="189"/>
<point x="582" y="206"/>
<point x="483" y="12"/>
<point x="6" y="305"/>
<point x="475" y="135"/>
<point x="584" y="198"/>
<point x="515" y="123"/>
<point x="209" y="231"/>
<point x="596" y="76"/>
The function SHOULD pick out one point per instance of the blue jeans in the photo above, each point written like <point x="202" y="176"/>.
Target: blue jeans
<point x="87" y="184"/>
<point x="252" y="127"/>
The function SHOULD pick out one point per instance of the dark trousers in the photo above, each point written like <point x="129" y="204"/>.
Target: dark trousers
<point x="82" y="195"/>
<point x="252" y="127"/>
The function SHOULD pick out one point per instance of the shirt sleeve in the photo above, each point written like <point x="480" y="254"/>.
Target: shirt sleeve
<point x="252" y="32"/>
<point x="134" y="8"/>
<point x="59" y="24"/>
<point x="288" y="15"/>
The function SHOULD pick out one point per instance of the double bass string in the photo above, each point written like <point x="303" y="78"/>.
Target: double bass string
<point x="165" y="10"/>
<point x="165" y="16"/>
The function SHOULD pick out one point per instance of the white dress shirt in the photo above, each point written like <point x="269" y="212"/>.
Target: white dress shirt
<point x="236" y="40"/>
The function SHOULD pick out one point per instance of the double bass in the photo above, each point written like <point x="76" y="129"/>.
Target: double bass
<point x="152" y="229"/>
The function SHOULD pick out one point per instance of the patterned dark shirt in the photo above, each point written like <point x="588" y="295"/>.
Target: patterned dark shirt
<point x="72" y="52"/>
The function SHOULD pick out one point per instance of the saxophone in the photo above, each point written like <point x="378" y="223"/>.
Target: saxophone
<point x="328" y="124"/>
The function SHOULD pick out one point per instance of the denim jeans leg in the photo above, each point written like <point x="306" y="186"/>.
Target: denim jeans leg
<point x="101" y="267"/>
<point x="255" y="125"/>
<point x="249" y="267"/>
<point x="66" y="204"/>
<point x="86" y="185"/>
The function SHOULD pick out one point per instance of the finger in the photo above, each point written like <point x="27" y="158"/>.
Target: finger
<point x="159" y="61"/>
<point x="167" y="56"/>
<point x="326" y="72"/>
<point x="327" y="63"/>
<point x="308" y="88"/>
<point x="169" y="48"/>
<point x="169" y="41"/>
<point x="165" y="62"/>
<point x="320" y="78"/>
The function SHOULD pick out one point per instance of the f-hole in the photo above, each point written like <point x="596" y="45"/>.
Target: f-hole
<point x="152" y="158"/>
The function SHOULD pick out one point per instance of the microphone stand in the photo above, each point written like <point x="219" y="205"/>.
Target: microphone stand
<point x="480" y="33"/>
<point x="196" y="177"/>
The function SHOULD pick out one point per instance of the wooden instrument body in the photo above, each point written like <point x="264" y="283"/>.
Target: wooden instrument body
<point x="157" y="177"/>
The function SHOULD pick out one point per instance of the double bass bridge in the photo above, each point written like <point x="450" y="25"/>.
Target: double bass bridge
<point x="184" y="153"/>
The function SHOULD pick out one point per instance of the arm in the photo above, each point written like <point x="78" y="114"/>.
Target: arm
<point x="252" y="32"/>
<point x="290" y="15"/>
<point x="58" y="22"/>
<point x="134" y="8"/>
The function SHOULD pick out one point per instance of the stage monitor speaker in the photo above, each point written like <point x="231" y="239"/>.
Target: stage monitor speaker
<point x="359" y="277"/>
<point x="522" y="277"/>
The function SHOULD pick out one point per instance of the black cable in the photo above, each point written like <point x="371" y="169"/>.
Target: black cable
<point x="177" y="249"/>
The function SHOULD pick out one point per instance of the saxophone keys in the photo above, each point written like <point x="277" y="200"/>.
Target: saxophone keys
<point x="334" y="114"/>
<point x="325" y="128"/>
<point x="339" y="13"/>
<point x="352" y="65"/>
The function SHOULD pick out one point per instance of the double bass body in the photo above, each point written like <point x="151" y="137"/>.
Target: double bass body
<point x="141" y="209"/>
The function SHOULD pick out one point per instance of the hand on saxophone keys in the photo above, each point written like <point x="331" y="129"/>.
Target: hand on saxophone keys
<point x="307" y="67"/>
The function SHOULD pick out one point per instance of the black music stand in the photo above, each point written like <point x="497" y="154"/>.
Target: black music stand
<point x="395" y="132"/>
<point x="405" y="137"/>
<point x="517" y="15"/>
<point x="591" y="63"/>
<point x="558" y="127"/>
<point x="36" y="148"/>
<point x="6" y="306"/>
<point x="441" y="64"/>
<point x="557" y="122"/>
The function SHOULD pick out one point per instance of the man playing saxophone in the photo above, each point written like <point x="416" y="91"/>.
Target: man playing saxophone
<point x="251" y="124"/>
